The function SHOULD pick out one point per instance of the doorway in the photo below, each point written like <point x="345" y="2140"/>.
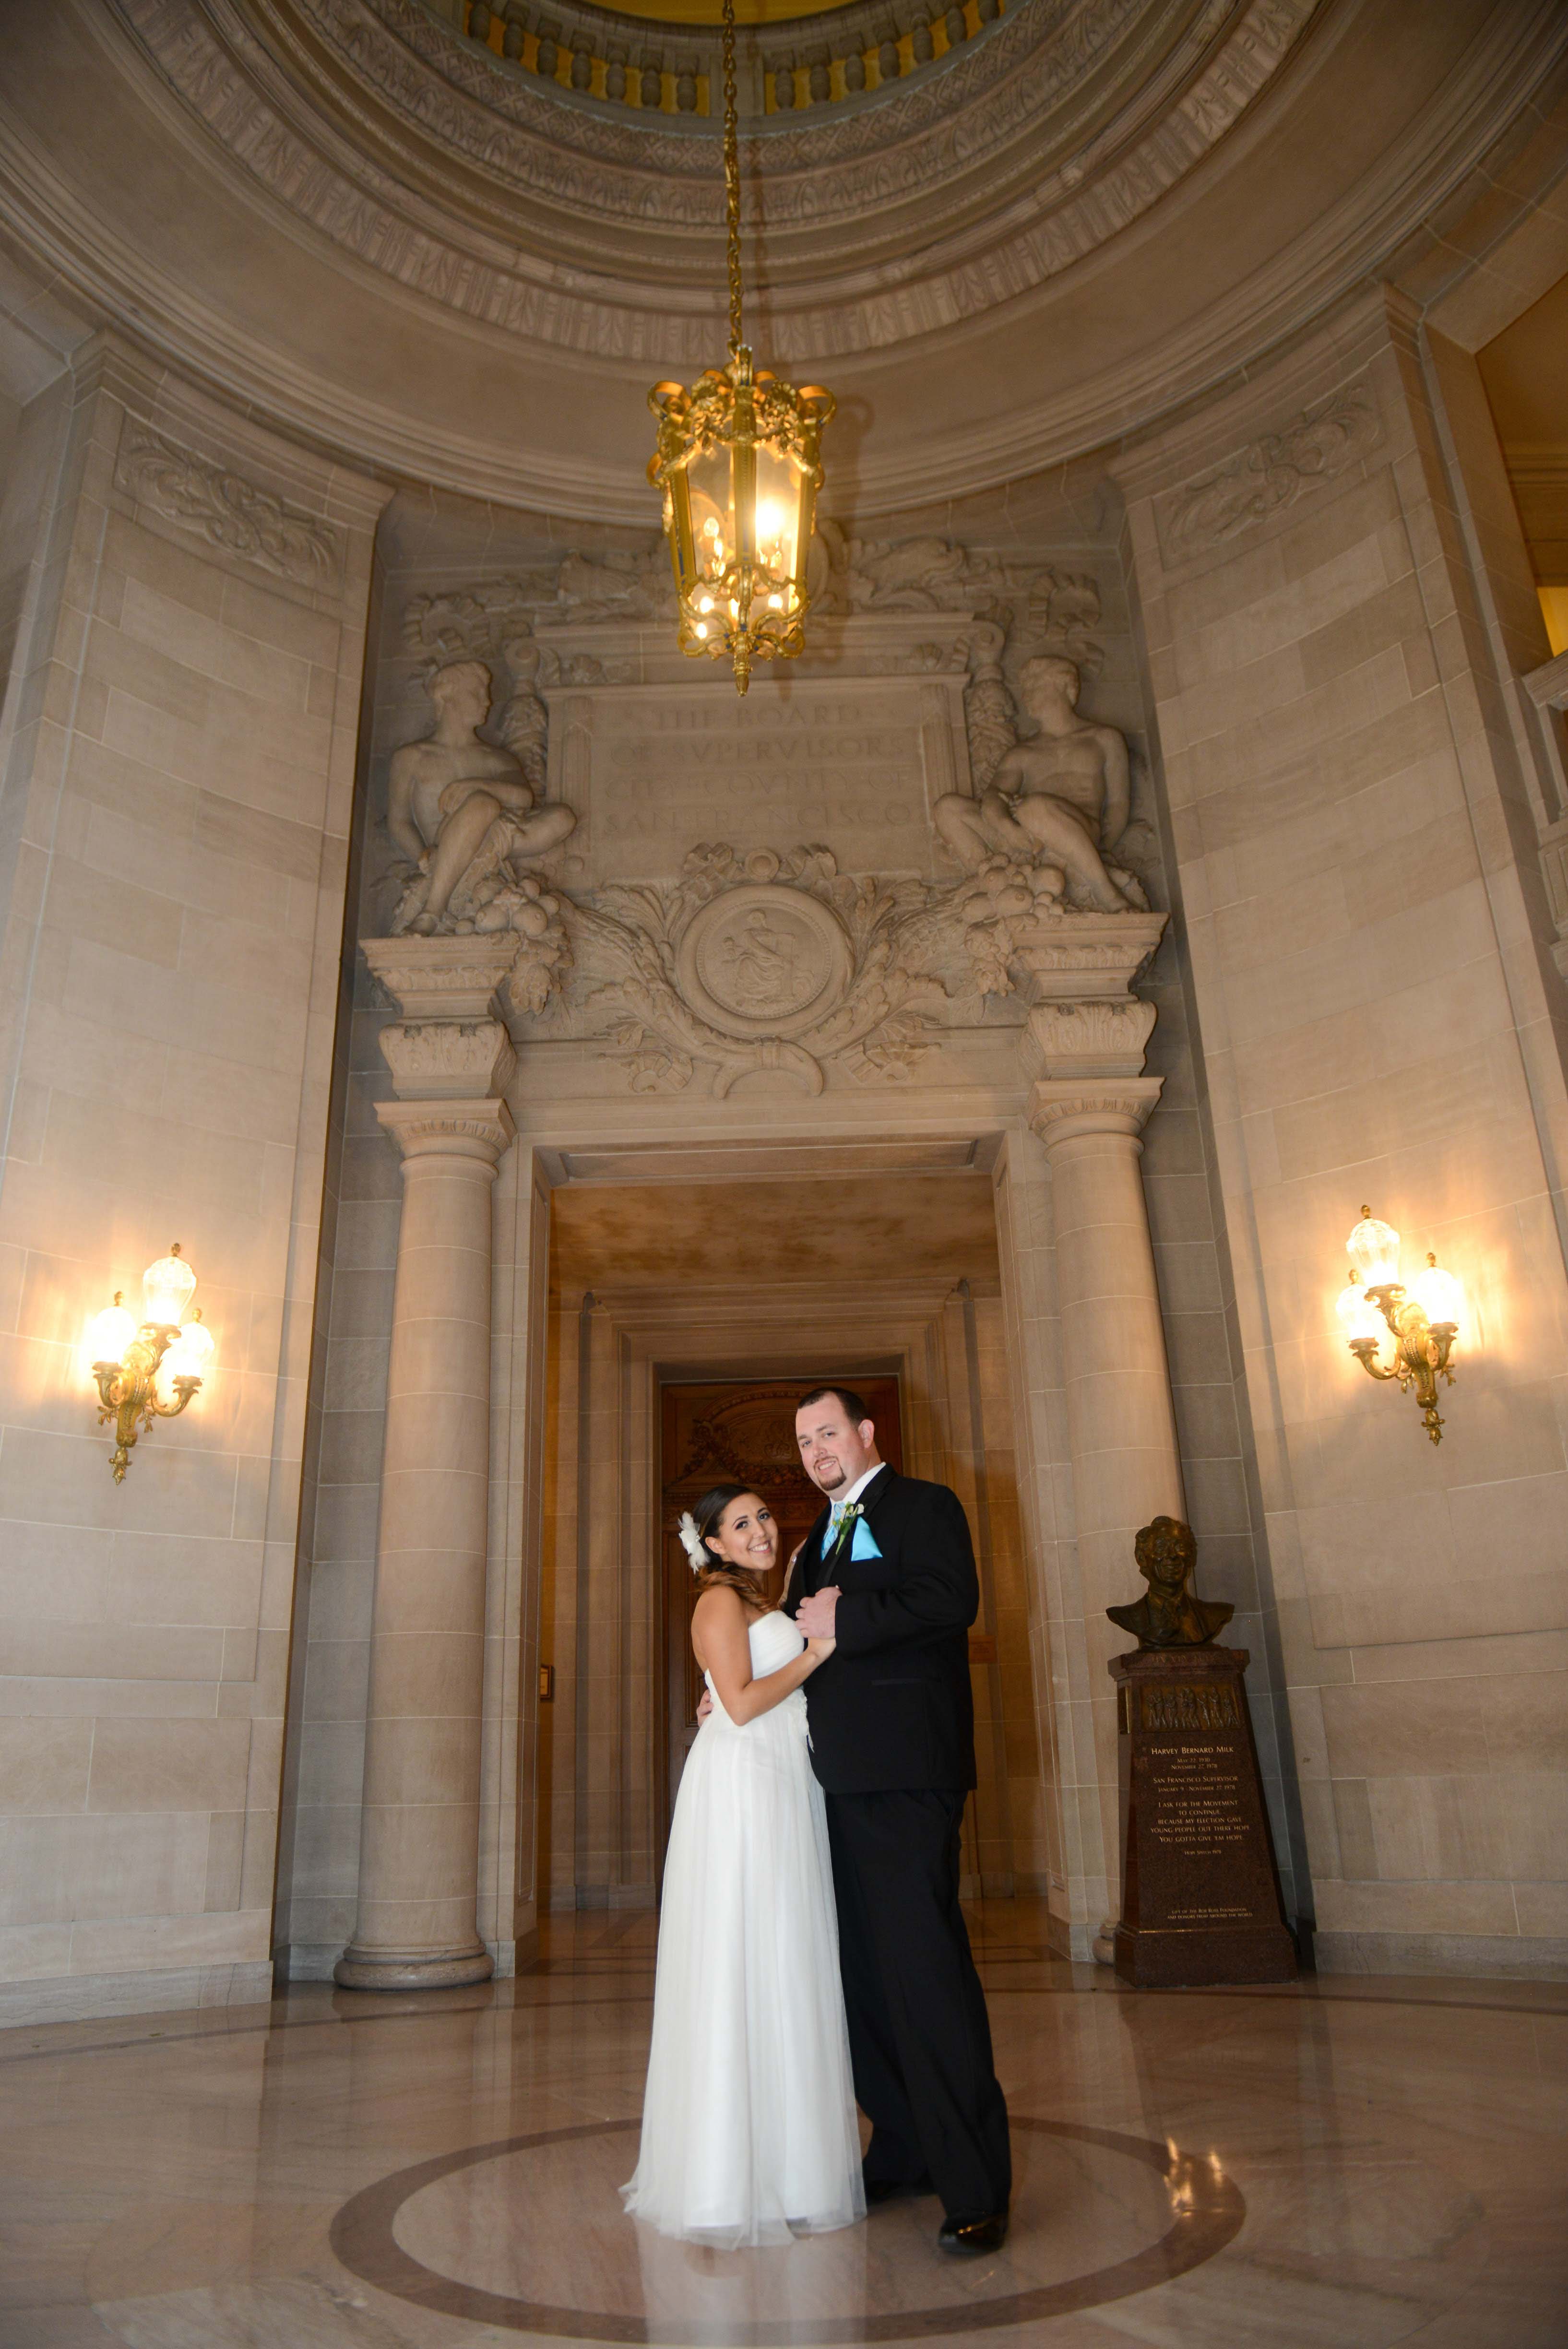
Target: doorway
<point x="684" y="1321"/>
<point x="739" y="1432"/>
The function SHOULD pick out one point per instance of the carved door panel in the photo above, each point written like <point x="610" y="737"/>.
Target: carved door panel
<point x="743" y="1433"/>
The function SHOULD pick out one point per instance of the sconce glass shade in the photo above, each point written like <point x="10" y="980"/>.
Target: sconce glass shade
<point x="190" y="1355"/>
<point x="1358" y="1317"/>
<point x="1441" y="1297"/>
<point x="1373" y="1250"/>
<point x="109" y="1334"/>
<point x="167" y="1287"/>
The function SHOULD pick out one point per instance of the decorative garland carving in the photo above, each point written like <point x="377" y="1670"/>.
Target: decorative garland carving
<point x="1270" y="474"/>
<point x="483" y="621"/>
<point x="867" y="1006"/>
<point x="225" y="509"/>
<point x="874" y="1019"/>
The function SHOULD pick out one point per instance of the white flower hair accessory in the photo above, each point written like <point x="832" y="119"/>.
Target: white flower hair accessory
<point x="692" y="1543"/>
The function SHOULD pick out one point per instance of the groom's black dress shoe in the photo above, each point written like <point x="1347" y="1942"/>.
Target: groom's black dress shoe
<point x="970" y="2238"/>
<point x="895" y="2189"/>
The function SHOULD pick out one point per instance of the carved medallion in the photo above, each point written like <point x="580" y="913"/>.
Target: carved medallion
<point x="765" y="960"/>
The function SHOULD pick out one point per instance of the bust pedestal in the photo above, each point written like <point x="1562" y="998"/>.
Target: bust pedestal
<point x="1200" y="1893"/>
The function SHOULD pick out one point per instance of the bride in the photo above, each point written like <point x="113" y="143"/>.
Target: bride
<point x="749" y="2133"/>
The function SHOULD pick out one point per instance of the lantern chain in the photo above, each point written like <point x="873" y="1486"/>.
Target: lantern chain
<point x="732" y="178"/>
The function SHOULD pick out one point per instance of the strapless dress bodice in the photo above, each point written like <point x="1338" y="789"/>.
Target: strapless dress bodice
<point x="775" y="1642"/>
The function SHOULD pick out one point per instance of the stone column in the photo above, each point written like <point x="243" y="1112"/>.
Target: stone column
<point x="1088" y="1108"/>
<point x="1088" y="1344"/>
<point x="419" y="1855"/>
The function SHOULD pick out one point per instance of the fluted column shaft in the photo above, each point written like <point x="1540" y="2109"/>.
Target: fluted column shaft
<point x="419" y="1857"/>
<point x="1121" y="1421"/>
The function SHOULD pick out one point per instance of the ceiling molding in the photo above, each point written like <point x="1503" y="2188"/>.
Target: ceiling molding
<point x="541" y="405"/>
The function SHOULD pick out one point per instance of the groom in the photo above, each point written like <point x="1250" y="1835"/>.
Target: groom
<point x="888" y="1571"/>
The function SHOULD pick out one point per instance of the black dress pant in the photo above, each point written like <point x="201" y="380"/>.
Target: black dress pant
<point x="918" y="2037"/>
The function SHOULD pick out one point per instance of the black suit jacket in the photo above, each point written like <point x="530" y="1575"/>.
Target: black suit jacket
<point x="892" y="1706"/>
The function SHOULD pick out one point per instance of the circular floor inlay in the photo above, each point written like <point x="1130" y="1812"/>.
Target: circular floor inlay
<point x="528" y="2234"/>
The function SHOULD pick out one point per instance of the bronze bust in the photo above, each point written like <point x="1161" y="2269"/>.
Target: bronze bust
<point x="1169" y="1615"/>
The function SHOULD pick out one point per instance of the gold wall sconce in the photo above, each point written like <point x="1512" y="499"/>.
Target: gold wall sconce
<point x="1423" y="1321"/>
<point x="151" y="1371"/>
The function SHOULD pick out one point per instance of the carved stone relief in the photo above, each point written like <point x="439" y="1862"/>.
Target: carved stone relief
<point x="748" y="958"/>
<point x="479" y="622"/>
<point x="448" y="1060"/>
<point x="225" y="510"/>
<point x="763" y="962"/>
<point x="1095" y="1039"/>
<point x="466" y="818"/>
<point x="1268" y="475"/>
<point x="601" y="174"/>
<point x="1052" y="803"/>
<point x="765" y="958"/>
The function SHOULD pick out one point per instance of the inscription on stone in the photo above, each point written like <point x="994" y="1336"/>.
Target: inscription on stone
<point x="1190" y="1708"/>
<point x="854" y="764"/>
<point x="1200" y="1900"/>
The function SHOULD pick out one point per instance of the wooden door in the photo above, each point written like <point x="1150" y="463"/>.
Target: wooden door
<point x="745" y="1435"/>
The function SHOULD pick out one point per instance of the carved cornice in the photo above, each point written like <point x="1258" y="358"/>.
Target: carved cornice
<point x="979" y="130"/>
<point x="225" y="510"/>
<point x="248" y="103"/>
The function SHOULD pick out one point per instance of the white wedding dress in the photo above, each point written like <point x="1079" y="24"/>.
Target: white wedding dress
<point x="749" y="2133"/>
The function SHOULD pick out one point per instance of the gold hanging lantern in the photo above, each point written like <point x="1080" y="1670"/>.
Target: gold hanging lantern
<point x="738" y="464"/>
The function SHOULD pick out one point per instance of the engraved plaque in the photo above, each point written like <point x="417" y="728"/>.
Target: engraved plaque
<point x="852" y="762"/>
<point x="1200" y="1893"/>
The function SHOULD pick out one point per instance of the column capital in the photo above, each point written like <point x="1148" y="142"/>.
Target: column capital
<point x="1078" y="956"/>
<point x="1065" y="1109"/>
<point x="448" y="1060"/>
<point x="442" y="978"/>
<point x="461" y="1128"/>
<point x="1094" y="1039"/>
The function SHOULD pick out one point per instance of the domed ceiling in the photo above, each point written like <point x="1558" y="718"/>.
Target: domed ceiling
<point x="459" y="239"/>
<point x="712" y="12"/>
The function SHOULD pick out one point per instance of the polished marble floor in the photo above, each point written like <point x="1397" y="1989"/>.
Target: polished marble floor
<point x="1343" y="2164"/>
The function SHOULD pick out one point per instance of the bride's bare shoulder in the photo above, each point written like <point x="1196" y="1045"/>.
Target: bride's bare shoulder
<point x="718" y="1603"/>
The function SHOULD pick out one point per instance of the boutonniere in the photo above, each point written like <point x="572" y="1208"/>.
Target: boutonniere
<point x="846" y="1526"/>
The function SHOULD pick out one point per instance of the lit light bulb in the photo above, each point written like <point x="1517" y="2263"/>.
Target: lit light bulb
<point x="775" y="603"/>
<point x="109" y="1334"/>
<point x="1439" y="1296"/>
<point x="1358" y="1317"/>
<point x="701" y="628"/>
<point x="705" y="603"/>
<point x="1373" y="1249"/>
<point x="190" y="1355"/>
<point x="711" y="527"/>
<point x="166" y="1289"/>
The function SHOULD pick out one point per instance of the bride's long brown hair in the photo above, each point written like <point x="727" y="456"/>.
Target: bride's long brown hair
<point x="743" y="1580"/>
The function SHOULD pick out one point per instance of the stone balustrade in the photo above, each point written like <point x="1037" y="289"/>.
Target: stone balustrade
<point x="781" y="68"/>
